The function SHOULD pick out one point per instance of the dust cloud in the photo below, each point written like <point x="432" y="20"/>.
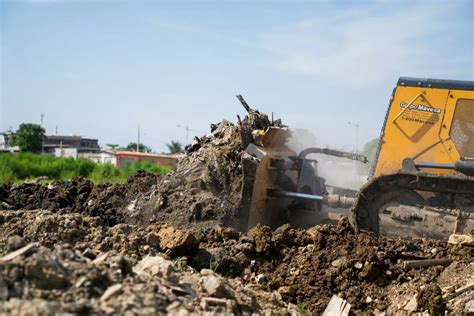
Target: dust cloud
<point x="338" y="172"/>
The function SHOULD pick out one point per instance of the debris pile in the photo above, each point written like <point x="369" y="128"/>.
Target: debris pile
<point x="117" y="270"/>
<point x="160" y="268"/>
<point x="109" y="202"/>
<point x="206" y="186"/>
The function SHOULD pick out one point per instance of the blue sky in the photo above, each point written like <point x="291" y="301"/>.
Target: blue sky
<point x="100" y="68"/>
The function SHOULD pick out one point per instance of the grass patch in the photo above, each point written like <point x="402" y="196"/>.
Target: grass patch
<point x="26" y="166"/>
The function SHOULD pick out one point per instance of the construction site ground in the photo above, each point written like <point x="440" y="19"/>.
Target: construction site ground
<point x="170" y="244"/>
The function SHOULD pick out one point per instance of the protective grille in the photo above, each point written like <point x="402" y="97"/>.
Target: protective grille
<point x="462" y="130"/>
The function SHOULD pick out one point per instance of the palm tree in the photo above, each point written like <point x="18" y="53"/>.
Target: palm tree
<point x="174" y="147"/>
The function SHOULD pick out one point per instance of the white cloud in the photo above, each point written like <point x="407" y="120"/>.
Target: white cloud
<point x="362" y="46"/>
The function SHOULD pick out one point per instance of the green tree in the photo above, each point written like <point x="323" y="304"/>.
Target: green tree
<point x="370" y="149"/>
<point x="174" y="147"/>
<point x="29" y="137"/>
<point x="141" y="147"/>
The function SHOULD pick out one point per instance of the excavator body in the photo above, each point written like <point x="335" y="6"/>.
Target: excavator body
<point x="422" y="180"/>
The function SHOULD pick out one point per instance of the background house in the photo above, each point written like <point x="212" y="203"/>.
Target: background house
<point x="127" y="157"/>
<point x="70" y="146"/>
<point x="5" y="143"/>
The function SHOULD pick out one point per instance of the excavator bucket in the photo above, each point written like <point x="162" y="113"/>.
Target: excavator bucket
<point x="280" y="185"/>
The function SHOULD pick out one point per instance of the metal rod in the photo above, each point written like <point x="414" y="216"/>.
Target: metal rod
<point x="426" y="263"/>
<point x="434" y="165"/>
<point x="302" y="196"/>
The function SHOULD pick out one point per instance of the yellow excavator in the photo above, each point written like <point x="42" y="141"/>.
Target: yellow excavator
<point x="421" y="183"/>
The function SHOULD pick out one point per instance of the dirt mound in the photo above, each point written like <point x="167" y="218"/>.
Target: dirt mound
<point x="107" y="201"/>
<point x="206" y="186"/>
<point x="308" y="267"/>
<point x="80" y="266"/>
<point x="265" y="269"/>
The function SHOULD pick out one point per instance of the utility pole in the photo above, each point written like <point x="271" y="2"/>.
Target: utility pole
<point x="42" y="140"/>
<point x="138" y="139"/>
<point x="356" y="135"/>
<point x="186" y="127"/>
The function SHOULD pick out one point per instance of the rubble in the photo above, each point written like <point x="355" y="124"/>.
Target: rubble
<point x="223" y="270"/>
<point x="174" y="244"/>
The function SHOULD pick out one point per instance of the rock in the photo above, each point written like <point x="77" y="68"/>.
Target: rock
<point x="111" y="291"/>
<point x="412" y="305"/>
<point x="262" y="236"/>
<point x="202" y="259"/>
<point x="121" y="264"/>
<point x="29" y="307"/>
<point x="370" y="272"/>
<point x="88" y="253"/>
<point x="244" y="247"/>
<point x="152" y="240"/>
<point x="216" y="287"/>
<point x="156" y="266"/>
<point x="338" y="262"/>
<point x="430" y="298"/>
<point x="456" y="239"/>
<point x="45" y="272"/>
<point x="3" y="290"/>
<point x="469" y="307"/>
<point x="80" y="282"/>
<point x="183" y="290"/>
<point x="358" y="265"/>
<point x="228" y="233"/>
<point x="210" y="303"/>
<point x="261" y="279"/>
<point x="286" y="290"/>
<point x="20" y="252"/>
<point x="205" y="272"/>
<point x="225" y="264"/>
<point x="101" y="259"/>
<point x="15" y="242"/>
<point x="177" y="242"/>
<point x="219" y="260"/>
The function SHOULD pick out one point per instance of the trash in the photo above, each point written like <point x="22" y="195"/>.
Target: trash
<point x="337" y="307"/>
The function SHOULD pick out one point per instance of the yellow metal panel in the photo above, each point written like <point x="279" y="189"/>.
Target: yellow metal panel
<point x="417" y="127"/>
